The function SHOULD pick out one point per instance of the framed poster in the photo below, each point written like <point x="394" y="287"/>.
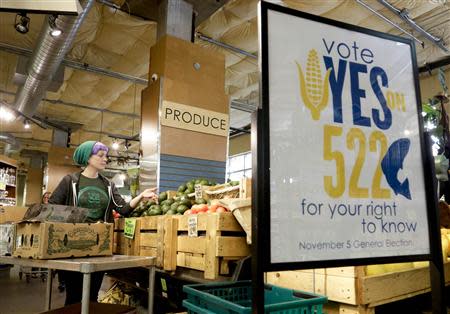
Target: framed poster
<point x="342" y="177"/>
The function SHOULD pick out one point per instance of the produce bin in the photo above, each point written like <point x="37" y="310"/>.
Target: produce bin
<point x="236" y="298"/>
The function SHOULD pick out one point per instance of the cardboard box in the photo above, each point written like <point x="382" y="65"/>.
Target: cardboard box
<point x="7" y="232"/>
<point x="49" y="240"/>
<point x="10" y="214"/>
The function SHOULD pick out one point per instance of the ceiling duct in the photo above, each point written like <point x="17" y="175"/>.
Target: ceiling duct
<point x="47" y="57"/>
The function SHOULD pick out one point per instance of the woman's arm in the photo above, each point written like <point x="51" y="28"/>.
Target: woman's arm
<point x="149" y="193"/>
<point x="59" y="195"/>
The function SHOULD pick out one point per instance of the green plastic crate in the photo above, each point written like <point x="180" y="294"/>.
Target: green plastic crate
<point x="236" y="298"/>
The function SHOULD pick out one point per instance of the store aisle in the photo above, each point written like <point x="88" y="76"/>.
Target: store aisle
<point x="17" y="296"/>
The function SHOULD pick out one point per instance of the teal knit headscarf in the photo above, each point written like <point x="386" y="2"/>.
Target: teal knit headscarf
<point x="83" y="153"/>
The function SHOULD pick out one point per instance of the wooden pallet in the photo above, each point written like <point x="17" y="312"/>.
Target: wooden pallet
<point x="220" y="240"/>
<point x="355" y="292"/>
<point x="148" y="238"/>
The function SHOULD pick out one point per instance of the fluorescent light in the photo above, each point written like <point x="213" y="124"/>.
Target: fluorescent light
<point x="6" y="114"/>
<point x="26" y="124"/>
<point x="115" y="145"/>
<point x="122" y="176"/>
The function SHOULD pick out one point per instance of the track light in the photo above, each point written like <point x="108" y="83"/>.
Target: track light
<point x="6" y="114"/>
<point x="115" y="145"/>
<point x="54" y="30"/>
<point x="26" y="124"/>
<point x="22" y="23"/>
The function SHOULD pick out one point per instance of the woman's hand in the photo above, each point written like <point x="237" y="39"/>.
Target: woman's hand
<point x="150" y="193"/>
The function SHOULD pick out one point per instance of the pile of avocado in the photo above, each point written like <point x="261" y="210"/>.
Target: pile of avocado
<point x="174" y="206"/>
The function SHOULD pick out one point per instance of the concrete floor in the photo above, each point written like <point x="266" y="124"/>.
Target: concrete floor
<point x="19" y="297"/>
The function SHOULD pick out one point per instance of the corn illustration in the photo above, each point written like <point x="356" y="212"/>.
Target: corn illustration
<point x="313" y="90"/>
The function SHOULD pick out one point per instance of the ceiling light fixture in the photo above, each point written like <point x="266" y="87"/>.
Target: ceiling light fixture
<point x="115" y="145"/>
<point x="54" y="30"/>
<point x="6" y="114"/>
<point x="22" y="23"/>
<point x="26" y="124"/>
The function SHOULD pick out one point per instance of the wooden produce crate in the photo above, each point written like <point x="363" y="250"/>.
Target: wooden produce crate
<point x="148" y="238"/>
<point x="207" y="244"/>
<point x="356" y="292"/>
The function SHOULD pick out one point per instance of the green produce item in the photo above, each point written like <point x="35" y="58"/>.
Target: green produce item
<point x="204" y="182"/>
<point x="174" y="206"/>
<point x="179" y="194"/>
<point x="181" y="209"/>
<point x="134" y="214"/>
<point x="190" y="185"/>
<point x="162" y="197"/>
<point x="181" y="188"/>
<point x="189" y="191"/>
<point x="212" y="183"/>
<point x="152" y="213"/>
<point x="165" y="208"/>
<point x="145" y="214"/>
<point x="234" y="183"/>
<point x="170" y="201"/>
<point x="171" y="212"/>
<point x="186" y="203"/>
<point x="197" y="181"/>
<point x="158" y="211"/>
<point x="200" y="201"/>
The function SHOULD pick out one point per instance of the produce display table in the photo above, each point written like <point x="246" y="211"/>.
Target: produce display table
<point x="87" y="266"/>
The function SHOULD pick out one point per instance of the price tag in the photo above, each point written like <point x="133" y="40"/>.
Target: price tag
<point x="163" y="284"/>
<point x="130" y="227"/>
<point x="198" y="191"/>
<point x="192" y="226"/>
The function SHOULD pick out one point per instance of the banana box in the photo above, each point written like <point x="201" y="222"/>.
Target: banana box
<point x="50" y="240"/>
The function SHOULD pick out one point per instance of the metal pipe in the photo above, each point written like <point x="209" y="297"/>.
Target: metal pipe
<point x="78" y="65"/>
<point x="47" y="57"/>
<point x="224" y="45"/>
<point x="389" y="21"/>
<point x="86" y="293"/>
<point x="243" y="106"/>
<point x="131" y="115"/>
<point x="403" y="14"/>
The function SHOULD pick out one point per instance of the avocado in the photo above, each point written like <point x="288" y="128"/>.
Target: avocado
<point x="171" y="212"/>
<point x="186" y="203"/>
<point x="174" y="206"/>
<point x="167" y="202"/>
<point x="165" y="208"/>
<point x="181" y="209"/>
<point x="144" y="214"/>
<point x="190" y="185"/>
<point x="179" y="194"/>
<point x="162" y="197"/>
<point x="204" y="182"/>
<point x="200" y="201"/>
<point x="189" y="191"/>
<point x="234" y="183"/>
<point x="197" y="181"/>
<point x="181" y="188"/>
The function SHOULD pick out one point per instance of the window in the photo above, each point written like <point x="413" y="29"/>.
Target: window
<point x="239" y="166"/>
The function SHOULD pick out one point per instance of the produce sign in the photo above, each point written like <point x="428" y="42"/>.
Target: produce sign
<point x="194" y="119"/>
<point x="345" y="158"/>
